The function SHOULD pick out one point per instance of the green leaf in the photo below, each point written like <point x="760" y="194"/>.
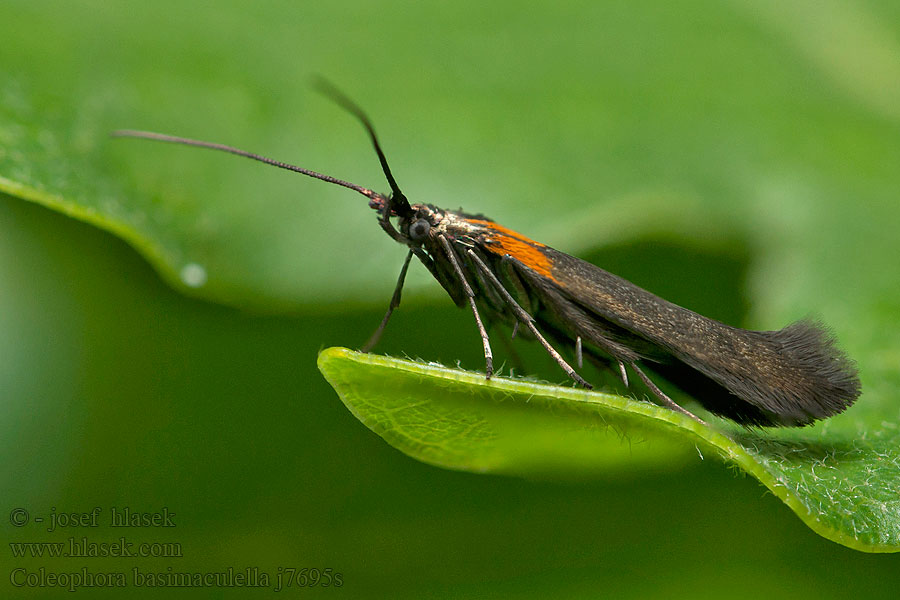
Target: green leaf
<point x="845" y="488"/>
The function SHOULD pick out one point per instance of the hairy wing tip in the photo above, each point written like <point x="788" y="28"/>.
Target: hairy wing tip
<point x="827" y="381"/>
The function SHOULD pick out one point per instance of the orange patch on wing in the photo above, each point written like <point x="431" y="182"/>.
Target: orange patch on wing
<point x="506" y="241"/>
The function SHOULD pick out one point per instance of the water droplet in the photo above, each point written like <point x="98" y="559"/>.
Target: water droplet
<point x="193" y="275"/>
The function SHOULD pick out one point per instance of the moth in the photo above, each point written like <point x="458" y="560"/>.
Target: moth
<point x="789" y="377"/>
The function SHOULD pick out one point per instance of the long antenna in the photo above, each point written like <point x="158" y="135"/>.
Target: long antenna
<point x="149" y="135"/>
<point x="399" y="203"/>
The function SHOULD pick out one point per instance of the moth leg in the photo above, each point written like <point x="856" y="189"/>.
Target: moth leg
<point x="488" y="355"/>
<point x="528" y="320"/>
<point x="395" y="302"/>
<point x="579" y="360"/>
<point x="662" y="396"/>
<point x="623" y="373"/>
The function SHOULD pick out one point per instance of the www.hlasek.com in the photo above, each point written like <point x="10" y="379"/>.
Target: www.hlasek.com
<point x="249" y="577"/>
<point x="82" y="547"/>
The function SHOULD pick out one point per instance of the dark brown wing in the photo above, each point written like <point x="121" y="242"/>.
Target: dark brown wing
<point x="792" y="376"/>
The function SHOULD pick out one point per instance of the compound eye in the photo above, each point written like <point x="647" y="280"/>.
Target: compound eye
<point x="419" y="230"/>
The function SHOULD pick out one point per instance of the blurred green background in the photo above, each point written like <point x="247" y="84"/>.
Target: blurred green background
<point x="728" y="156"/>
